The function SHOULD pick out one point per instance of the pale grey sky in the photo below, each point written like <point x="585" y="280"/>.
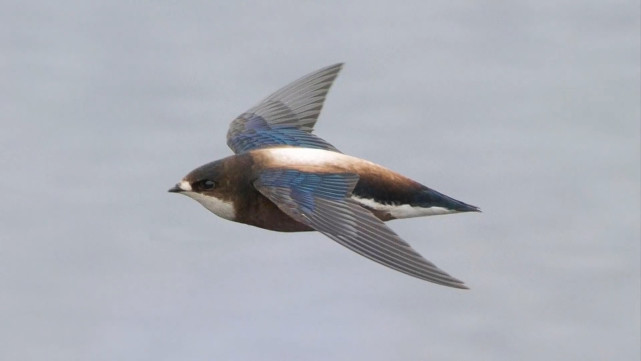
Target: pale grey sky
<point x="529" y="110"/>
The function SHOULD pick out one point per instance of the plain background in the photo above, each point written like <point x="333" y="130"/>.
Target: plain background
<point x="527" y="109"/>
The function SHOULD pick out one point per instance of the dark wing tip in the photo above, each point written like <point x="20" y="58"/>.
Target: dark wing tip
<point x="454" y="283"/>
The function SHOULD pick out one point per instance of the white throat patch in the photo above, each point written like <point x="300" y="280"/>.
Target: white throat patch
<point x="217" y="206"/>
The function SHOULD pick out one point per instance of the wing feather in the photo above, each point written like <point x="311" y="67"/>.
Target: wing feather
<point x="321" y="201"/>
<point x="286" y="117"/>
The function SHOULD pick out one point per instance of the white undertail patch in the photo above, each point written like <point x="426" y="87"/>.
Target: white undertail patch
<point x="402" y="210"/>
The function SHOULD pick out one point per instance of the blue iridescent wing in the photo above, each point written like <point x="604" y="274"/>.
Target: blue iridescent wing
<point x="322" y="201"/>
<point x="286" y="117"/>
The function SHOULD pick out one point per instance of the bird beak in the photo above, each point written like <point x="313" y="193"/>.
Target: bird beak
<point x="175" y="189"/>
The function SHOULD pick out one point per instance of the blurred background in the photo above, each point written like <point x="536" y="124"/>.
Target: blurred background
<point x="527" y="109"/>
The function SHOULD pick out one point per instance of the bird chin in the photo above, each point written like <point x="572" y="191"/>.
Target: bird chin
<point x="215" y="205"/>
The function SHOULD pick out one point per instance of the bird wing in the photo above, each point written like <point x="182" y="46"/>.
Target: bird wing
<point x="322" y="201"/>
<point x="286" y="117"/>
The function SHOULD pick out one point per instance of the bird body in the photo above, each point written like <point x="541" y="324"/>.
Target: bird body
<point x="284" y="178"/>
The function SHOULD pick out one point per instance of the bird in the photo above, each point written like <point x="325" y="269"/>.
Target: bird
<point x="284" y="178"/>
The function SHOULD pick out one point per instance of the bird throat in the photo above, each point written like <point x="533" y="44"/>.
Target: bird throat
<point x="219" y="207"/>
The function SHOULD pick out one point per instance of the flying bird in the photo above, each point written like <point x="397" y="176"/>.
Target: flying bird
<point x="284" y="178"/>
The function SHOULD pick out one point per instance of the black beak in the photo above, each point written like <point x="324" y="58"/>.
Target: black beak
<point x="175" y="189"/>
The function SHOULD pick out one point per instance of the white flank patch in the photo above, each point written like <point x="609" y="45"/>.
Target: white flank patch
<point x="403" y="210"/>
<point x="217" y="206"/>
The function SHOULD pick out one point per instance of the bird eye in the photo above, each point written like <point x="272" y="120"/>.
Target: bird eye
<point x="208" y="184"/>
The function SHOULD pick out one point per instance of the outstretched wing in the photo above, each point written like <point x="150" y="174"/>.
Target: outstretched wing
<point x="286" y="117"/>
<point x="322" y="201"/>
